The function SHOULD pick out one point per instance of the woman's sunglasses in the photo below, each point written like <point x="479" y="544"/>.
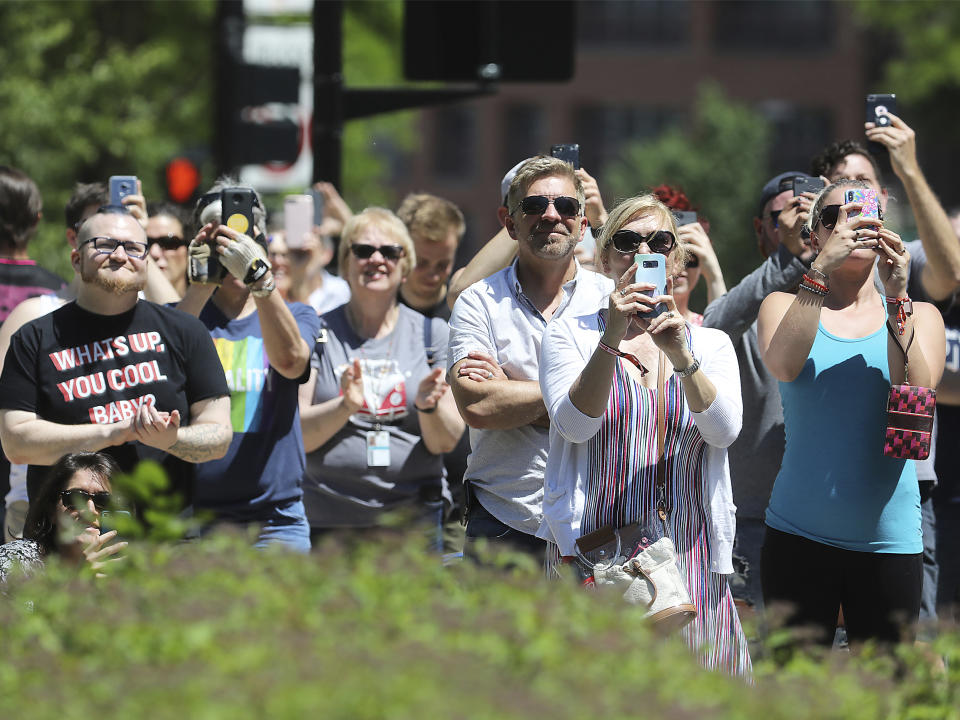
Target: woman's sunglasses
<point x="538" y="204"/>
<point x="167" y="242"/>
<point x="389" y="252"/>
<point x="77" y="498"/>
<point x="829" y="215"/>
<point x="628" y="241"/>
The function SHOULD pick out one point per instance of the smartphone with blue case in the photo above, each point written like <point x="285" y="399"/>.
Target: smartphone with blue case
<point x="121" y="186"/>
<point x="652" y="269"/>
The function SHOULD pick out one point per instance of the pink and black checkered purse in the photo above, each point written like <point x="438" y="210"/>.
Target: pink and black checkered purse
<point x="910" y="411"/>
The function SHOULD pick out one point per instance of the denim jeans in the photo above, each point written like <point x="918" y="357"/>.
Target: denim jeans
<point x="287" y="525"/>
<point x="745" y="581"/>
<point x="948" y="542"/>
<point x="498" y="536"/>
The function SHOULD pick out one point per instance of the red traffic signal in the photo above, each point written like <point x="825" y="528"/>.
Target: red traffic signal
<point x="183" y="179"/>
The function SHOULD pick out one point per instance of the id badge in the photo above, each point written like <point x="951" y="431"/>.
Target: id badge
<point x="378" y="448"/>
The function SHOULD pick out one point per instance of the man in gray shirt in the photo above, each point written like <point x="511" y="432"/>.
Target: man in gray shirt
<point x="755" y="456"/>
<point x="495" y="332"/>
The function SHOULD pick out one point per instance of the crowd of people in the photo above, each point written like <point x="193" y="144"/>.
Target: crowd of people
<point x="540" y="393"/>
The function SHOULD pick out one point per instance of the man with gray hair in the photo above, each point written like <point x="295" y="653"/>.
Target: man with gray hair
<point x="265" y="344"/>
<point x="495" y="333"/>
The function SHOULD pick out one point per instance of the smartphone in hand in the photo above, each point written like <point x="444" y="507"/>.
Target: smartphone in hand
<point x="121" y="186"/>
<point x="878" y="105"/>
<point x="810" y="185"/>
<point x="684" y="217"/>
<point x="652" y="268"/>
<point x="297" y="220"/>
<point x="868" y="198"/>
<point x="568" y="153"/>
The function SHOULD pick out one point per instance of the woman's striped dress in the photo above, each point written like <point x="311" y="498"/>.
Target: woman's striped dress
<point x="622" y="489"/>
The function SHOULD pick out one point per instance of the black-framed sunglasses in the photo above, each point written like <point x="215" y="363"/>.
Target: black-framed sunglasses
<point x="389" y="252"/>
<point x="829" y="215"/>
<point x="538" y="204"/>
<point x="107" y="245"/>
<point x="78" y="499"/>
<point x="167" y="242"/>
<point x="659" y="241"/>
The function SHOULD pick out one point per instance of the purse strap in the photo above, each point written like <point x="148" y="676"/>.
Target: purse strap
<point x="906" y="369"/>
<point x="661" y="436"/>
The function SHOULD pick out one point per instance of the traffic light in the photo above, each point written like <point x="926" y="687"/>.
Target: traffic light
<point x="182" y="179"/>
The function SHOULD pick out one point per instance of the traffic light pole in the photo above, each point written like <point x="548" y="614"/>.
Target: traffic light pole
<point x="333" y="103"/>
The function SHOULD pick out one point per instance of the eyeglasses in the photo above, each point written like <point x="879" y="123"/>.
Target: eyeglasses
<point x="538" y="204"/>
<point x="107" y="245"/>
<point x="659" y="241"/>
<point x="389" y="252"/>
<point x="77" y="498"/>
<point x="829" y="215"/>
<point x="775" y="218"/>
<point x="167" y="242"/>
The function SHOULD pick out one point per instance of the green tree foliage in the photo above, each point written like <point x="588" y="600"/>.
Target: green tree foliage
<point x="373" y="57"/>
<point x="719" y="160"/>
<point x="99" y="88"/>
<point x="925" y="33"/>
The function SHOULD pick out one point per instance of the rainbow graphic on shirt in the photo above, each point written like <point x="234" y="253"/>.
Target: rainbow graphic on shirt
<point x="247" y="371"/>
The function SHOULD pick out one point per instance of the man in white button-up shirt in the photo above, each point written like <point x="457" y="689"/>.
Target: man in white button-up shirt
<point x="495" y="334"/>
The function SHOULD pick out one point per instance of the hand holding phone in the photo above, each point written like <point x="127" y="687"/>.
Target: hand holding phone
<point x="868" y="200"/>
<point x="879" y="107"/>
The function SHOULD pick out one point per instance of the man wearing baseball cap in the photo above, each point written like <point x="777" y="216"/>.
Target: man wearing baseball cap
<point x="755" y="456"/>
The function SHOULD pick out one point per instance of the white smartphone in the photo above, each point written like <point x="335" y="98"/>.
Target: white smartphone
<point x="297" y="219"/>
<point x="652" y="269"/>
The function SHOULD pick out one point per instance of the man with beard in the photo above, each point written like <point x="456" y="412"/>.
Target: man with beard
<point x="495" y="333"/>
<point x="111" y="372"/>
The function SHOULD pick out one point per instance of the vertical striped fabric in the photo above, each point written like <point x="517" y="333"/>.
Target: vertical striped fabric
<point x="622" y="489"/>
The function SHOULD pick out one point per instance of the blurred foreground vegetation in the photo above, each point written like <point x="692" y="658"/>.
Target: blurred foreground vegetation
<point x="218" y="630"/>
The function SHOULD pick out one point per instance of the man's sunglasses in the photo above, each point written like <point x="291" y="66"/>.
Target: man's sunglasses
<point x="628" y="241"/>
<point x="108" y="245"/>
<point x="775" y="218"/>
<point x="538" y="204"/>
<point x="389" y="252"/>
<point x="78" y="499"/>
<point x="167" y="242"/>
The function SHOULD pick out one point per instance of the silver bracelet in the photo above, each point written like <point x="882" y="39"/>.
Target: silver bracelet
<point x="689" y="370"/>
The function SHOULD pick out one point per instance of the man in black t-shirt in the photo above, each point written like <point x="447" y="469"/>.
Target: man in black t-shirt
<point x="111" y="372"/>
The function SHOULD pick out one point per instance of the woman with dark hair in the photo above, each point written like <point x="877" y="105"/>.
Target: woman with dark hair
<point x="65" y="517"/>
<point x="843" y="521"/>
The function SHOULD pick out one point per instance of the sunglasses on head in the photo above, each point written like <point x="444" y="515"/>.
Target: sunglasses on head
<point x="77" y="498"/>
<point x="659" y="241"/>
<point x="538" y="204"/>
<point x="167" y="242"/>
<point x="389" y="252"/>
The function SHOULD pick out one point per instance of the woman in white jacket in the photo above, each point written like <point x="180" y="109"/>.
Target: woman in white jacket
<point x="599" y="375"/>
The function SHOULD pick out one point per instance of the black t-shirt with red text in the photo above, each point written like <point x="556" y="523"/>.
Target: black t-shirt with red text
<point x="75" y="367"/>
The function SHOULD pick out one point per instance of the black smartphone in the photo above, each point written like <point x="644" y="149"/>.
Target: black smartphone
<point x="317" y="206"/>
<point x="236" y="212"/>
<point x="810" y="185"/>
<point x="567" y="153"/>
<point x="684" y="217"/>
<point x="878" y="106"/>
<point x="121" y="186"/>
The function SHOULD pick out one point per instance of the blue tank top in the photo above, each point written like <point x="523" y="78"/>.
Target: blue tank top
<point x="835" y="485"/>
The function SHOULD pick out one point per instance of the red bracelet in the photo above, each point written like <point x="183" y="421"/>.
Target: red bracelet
<point x="626" y="356"/>
<point x="904" y="310"/>
<point x="819" y="286"/>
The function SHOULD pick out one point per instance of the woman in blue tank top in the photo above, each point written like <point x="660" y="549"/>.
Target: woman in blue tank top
<point x="843" y="523"/>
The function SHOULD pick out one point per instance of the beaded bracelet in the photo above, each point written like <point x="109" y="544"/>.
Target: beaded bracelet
<point x="821" y="288"/>
<point x="904" y="307"/>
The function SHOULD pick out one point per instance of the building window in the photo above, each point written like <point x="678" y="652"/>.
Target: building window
<point x="787" y="26"/>
<point x="798" y="134"/>
<point x="604" y="130"/>
<point x="454" y="140"/>
<point x="524" y="133"/>
<point x="633" y="23"/>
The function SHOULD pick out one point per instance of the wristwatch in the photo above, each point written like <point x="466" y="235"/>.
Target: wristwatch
<point x="269" y="285"/>
<point x="689" y="370"/>
<point x="256" y="271"/>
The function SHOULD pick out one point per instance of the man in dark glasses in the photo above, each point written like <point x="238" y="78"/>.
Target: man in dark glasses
<point x="756" y="454"/>
<point x="934" y="277"/>
<point x="111" y="372"/>
<point x="266" y="344"/>
<point x="495" y="333"/>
